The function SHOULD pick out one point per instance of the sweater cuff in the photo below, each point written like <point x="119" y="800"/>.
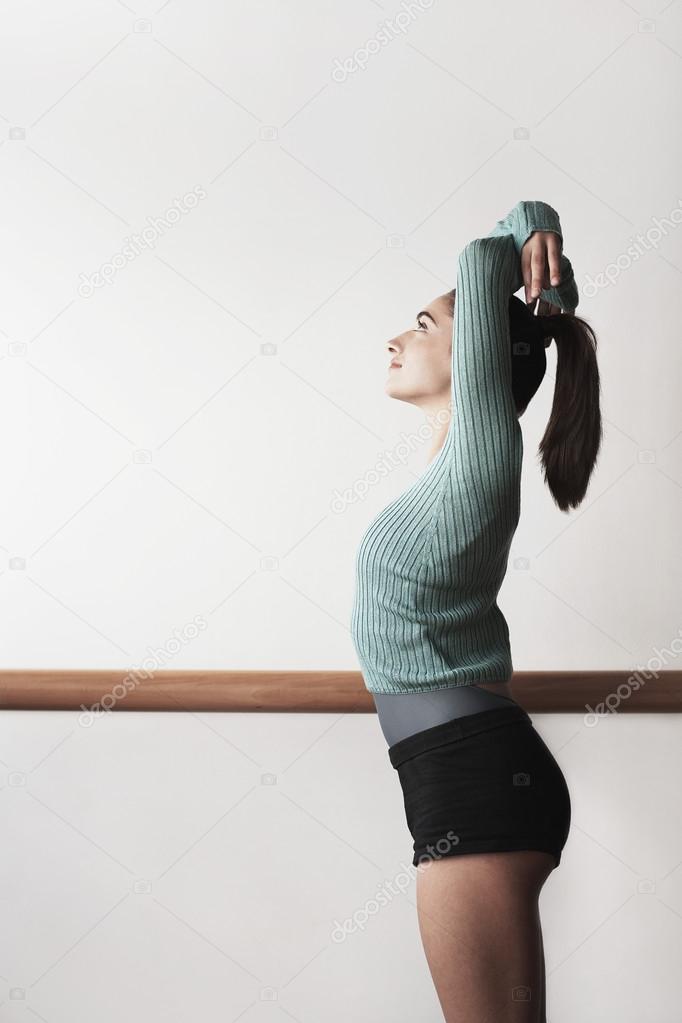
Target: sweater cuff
<point x="534" y="216"/>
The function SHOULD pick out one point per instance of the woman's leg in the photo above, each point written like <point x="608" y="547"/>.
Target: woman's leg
<point x="543" y="994"/>
<point x="480" y="926"/>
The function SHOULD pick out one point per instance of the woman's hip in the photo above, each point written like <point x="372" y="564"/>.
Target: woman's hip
<point x="488" y="778"/>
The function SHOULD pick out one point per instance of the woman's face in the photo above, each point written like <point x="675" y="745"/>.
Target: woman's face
<point x="422" y="357"/>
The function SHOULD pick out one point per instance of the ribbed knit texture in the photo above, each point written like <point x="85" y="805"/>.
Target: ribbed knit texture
<point x="429" y="567"/>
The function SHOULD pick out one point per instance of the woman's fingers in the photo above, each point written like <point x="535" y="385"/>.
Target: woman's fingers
<point x="554" y="259"/>
<point x="533" y="266"/>
<point x="541" y="263"/>
<point x="527" y="254"/>
<point x="537" y="270"/>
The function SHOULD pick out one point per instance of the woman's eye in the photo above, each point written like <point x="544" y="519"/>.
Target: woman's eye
<point x="420" y="323"/>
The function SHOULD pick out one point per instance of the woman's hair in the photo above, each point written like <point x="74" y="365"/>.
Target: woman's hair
<point x="573" y="435"/>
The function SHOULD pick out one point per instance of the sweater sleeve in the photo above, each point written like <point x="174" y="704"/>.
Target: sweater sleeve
<point x="487" y="434"/>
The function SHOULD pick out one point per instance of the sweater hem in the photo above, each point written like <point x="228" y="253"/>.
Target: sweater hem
<point x="424" y="687"/>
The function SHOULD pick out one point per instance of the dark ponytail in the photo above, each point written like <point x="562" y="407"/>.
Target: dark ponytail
<point x="573" y="435"/>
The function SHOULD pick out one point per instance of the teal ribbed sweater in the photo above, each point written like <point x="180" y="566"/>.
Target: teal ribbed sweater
<point x="429" y="567"/>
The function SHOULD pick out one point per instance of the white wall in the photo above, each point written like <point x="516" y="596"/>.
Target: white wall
<point x="198" y="866"/>
<point x="174" y="441"/>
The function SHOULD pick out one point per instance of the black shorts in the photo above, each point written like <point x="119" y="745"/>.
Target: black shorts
<point x="484" y="782"/>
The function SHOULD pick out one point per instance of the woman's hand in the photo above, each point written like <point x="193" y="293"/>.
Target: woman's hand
<point x="541" y="263"/>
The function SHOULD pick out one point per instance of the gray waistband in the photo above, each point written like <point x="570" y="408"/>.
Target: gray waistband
<point x="403" y="714"/>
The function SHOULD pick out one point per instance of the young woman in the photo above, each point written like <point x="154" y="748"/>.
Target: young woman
<point x="486" y="802"/>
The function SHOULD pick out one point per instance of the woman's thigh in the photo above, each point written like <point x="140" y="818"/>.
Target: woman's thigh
<point x="480" y="927"/>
